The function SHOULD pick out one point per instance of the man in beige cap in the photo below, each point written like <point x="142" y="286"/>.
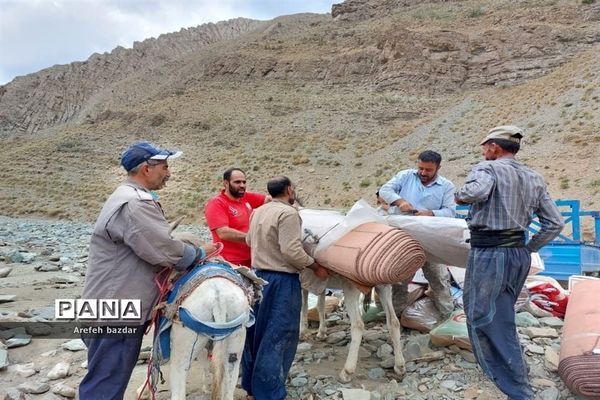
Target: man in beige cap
<point x="503" y="194"/>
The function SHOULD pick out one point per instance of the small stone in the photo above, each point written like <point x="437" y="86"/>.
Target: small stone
<point x="388" y="362"/>
<point x="34" y="387"/>
<point x="552" y="322"/>
<point x="304" y="346"/>
<point x="541" y="382"/>
<point x="468" y="356"/>
<point x="448" y="384"/>
<point x="59" y="371"/>
<point x="336" y="337"/>
<point x="371" y="335"/>
<point x="14" y="394"/>
<point x="550" y="393"/>
<point x="376" y="373"/>
<point x="25" y="370"/>
<point x="13" y="257"/>
<point x="47" y="268"/>
<point x="299" y="382"/>
<point x="540" y="332"/>
<point x="355" y="394"/>
<point x="551" y="359"/>
<point x="74" y="345"/>
<point x="5" y="271"/>
<point x="384" y="351"/>
<point x="525" y="319"/>
<point x="84" y="364"/>
<point x="18" y="341"/>
<point x="7" y="298"/>
<point x="535" y="349"/>
<point x="3" y="356"/>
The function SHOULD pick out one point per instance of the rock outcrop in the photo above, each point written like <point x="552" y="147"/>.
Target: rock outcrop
<point x="56" y="95"/>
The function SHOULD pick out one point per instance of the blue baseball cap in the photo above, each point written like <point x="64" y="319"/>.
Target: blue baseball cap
<point x="141" y="152"/>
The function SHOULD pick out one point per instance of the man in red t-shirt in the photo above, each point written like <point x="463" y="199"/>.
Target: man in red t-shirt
<point x="228" y="216"/>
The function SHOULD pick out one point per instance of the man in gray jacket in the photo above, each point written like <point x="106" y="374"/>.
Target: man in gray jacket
<point x="130" y="244"/>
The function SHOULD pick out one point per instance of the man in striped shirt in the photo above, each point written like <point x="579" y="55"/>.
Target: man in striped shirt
<point x="503" y="194"/>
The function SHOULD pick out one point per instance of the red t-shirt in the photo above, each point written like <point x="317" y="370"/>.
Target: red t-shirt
<point x="222" y="211"/>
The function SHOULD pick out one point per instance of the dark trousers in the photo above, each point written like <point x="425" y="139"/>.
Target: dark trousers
<point x="493" y="281"/>
<point x="111" y="360"/>
<point x="272" y="341"/>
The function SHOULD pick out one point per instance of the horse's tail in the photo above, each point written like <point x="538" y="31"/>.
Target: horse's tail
<point x="218" y="355"/>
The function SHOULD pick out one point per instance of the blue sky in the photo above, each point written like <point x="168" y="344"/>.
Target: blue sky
<point x="36" y="34"/>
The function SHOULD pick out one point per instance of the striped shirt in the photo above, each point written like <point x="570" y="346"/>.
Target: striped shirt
<point x="437" y="196"/>
<point x="504" y="194"/>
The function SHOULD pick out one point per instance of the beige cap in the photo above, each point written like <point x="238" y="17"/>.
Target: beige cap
<point x="507" y="132"/>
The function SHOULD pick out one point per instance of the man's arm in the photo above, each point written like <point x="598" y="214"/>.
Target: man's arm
<point x="147" y="233"/>
<point x="289" y="228"/>
<point x="391" y="189"/>
<point x="477" y="187"/>
<point x="551" y="223"/>
<point x="217" y="221"/>
<point x="230" y="234"/>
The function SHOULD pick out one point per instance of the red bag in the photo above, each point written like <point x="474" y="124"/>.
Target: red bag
<point x="549" y="298"/>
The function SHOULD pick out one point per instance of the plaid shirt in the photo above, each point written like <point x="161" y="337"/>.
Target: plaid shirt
<point x="504" y="194"/>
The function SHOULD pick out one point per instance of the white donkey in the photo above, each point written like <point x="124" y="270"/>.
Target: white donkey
<point x="216" y="301"/>
<point x="357" y="326"/>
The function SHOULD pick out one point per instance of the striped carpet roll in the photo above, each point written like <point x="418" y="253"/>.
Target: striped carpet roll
<point x="579" y="365"/>
<point x="374" y="254"/>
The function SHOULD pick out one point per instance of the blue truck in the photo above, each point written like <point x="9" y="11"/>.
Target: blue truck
<point x="568" y="254"/>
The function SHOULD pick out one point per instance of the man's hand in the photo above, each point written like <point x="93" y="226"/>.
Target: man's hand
<point x="403" y="205"/>
<point x="425" y="213"/>
<point x="210" y="248"/>
<point x="459" y="201"/>
<point x="320" y="271"/>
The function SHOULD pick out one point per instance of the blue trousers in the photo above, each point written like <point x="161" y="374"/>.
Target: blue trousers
<point x="493" y="281"/>
<point x="111" y="360"/>
<point x="272" y="341"/>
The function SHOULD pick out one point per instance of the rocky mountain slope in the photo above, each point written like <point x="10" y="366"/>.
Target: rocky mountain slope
<point x="338" y="103"/>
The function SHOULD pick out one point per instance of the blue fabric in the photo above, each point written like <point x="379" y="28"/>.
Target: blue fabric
<point x="110" y="363"/>
<point x="208" y="269"/>
<point x="493" y="281"/>
<point x="438" y="196"/>
<point x="215" y="331"/>
<point x="271" y="343"/>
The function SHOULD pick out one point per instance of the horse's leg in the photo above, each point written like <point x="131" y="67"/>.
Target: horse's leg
<point x="185" y="343"/>
<point x="394" y="327"/>
<point x="322" y="333"/>
<point x="232" y="349"/>
<point x="357" y="326"/>
<point x="304" y="314"/>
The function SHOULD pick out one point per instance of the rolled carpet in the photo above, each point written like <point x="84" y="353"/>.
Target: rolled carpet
<point x="579" y="365"/>
<point x="374" y="254"/>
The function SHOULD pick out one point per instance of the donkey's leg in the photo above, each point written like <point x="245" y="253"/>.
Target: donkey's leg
<point x="233" y="347"/>
<point x="184" y="344"/>
<point x="304" y="314"/>
<point x="394" y="327"/>
<point x="357" y="326"/>
<point x="322" y="333"/>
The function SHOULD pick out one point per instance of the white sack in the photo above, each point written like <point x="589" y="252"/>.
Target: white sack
<point x="444" y="239"/>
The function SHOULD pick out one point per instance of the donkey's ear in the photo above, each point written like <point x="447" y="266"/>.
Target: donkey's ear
<point x="173" y="225"/>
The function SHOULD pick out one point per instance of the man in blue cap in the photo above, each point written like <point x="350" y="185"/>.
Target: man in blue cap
<point x="130" y="244"/>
